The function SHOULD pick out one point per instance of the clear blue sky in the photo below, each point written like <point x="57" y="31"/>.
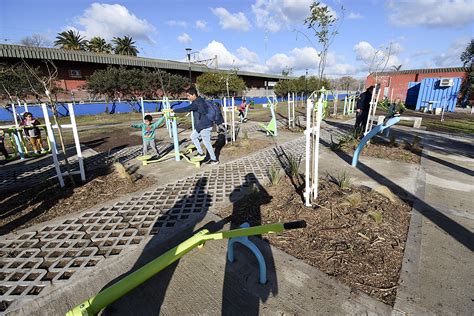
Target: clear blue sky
<point x="259" y="35"/>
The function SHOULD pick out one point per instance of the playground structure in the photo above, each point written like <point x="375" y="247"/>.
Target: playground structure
<point x="377" y="129"/>
<point x="95" y="304"/>
<point x="17" y="137"/>
<point x="72" y="125"/>
<point x="271" y="128"/>
<point x="170" y="120"/>
<point x="229" y="109"/>
<point x="291" y="110"/>
<point x="314" y="116"/>
<point x="349" y="104"/>
<point x="165" y="105"/>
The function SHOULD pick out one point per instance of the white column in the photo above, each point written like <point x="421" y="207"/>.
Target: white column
<point x="76" y="140"/>
<point x="54" y="148"/>
<point x="308" y="132"/>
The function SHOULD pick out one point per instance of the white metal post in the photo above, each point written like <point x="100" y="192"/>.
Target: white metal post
<point x="345" y="104"/>
<point x="76" y="141"/>
<point x="233" y="119"/>
<point x="293" y="109"/>
<point x="143" y="109"/>
<point x="315" y="157"/>
<point x="54" y="148"/>
<point x="25" y="105"/>
<point x="308" y="132"/>
<point x="371" y="105"/>
<point x="15" y="117"/>
<point x="225" y="118"/>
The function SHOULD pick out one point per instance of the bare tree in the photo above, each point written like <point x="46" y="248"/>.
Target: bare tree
<point x="36" y="40"/>
<point x="48" y="82"/>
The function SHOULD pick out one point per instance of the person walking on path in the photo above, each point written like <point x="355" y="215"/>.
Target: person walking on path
<point x="362" y="111"/>
<point x="205" y="114"/>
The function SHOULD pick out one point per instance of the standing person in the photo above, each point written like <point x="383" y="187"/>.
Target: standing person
<point x="242" y="107"/>
<point x="205" y="116"/>
<point x="32" y="132"/>
<point x="3" y="150"/>
<point x="148" y="133"/>
<point x="362" y="111"/>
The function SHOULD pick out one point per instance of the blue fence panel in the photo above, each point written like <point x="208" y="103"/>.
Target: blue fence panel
<point x="430" y="90"/>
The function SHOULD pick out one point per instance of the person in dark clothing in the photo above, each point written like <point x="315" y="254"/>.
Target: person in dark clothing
<point x="202" y="124"/>
<point x="362" y="111"/>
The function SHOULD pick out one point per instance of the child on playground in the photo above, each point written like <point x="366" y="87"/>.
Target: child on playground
<point x="148" y="133"/>
<point x="241" y="109"/>
<point x="32" y="132"/>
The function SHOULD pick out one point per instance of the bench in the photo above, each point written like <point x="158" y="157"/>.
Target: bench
<point x="416" y="120"/>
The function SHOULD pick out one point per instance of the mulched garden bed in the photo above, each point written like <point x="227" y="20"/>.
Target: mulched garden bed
<point x="46" y="201"/>
<point x="355" y="234"/>
<point x="383" y="149"/>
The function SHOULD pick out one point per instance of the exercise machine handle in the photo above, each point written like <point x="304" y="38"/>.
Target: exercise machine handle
<point x="294" y="225"/>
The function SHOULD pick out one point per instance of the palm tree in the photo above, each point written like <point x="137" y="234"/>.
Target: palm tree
<point x="70" y="40"/>
<point x="99" y="45"/>
<point x="125" y="46"/>
<point x="397" y="68"/>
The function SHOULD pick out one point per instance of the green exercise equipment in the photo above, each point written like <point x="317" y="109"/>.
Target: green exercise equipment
<point x="271" y="128"/>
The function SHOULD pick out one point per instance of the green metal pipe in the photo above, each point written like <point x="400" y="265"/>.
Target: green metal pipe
<point x="95" y="304"/>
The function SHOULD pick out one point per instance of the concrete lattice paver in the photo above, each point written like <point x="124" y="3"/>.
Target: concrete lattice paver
<point x="34" y="260"/>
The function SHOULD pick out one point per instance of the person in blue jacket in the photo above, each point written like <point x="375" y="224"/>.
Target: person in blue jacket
<point x="202" y="124"/>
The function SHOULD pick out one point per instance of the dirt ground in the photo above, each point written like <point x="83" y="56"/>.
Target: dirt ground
<point x="46" y="201"/>
<point x="354" y="234"/>
<point x="383" y="149"/>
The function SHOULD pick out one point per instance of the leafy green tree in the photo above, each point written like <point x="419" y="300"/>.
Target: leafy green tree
<point x="324" y="24"/>
<point x="125" y="46"/>
<point x="467" y="87"/>
<point x="215" y="84"/>
<point x="70" y="40"/>
<point x="16" y="83"/>
<point x="99" y="45"/>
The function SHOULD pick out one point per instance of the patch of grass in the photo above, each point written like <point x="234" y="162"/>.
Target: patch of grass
<point x="376" y="216"/>
<point x="294" y="165"/>
<point x="275" y="175"/>
<point x="354" y="199"/>
<point x="343" y="180"/>
<point x="393" y="141"/>
<point x="450" y="125"/>
<point x="414" y="146"/>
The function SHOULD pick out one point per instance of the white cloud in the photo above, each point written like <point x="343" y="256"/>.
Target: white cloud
<point x="177" y="23"/>
<point x="109" y="20"/>
<point x="184" y="38"/>
<point x="438" y="13"/>
<point x="298" y="59"/>
<point x="235" y="21"/>
<point x="354" y="16"/>
<point x="202" y="25"/>
<point x="375" y="59"/>
<point x="451" y="57"/>
<point x="421" y="52"/>
<point x="273" y="15"/>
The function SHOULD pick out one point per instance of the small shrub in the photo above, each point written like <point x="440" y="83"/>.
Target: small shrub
<point x="342" y="180"/>
<point x="122" y="171"/>
<point x="245" y="135"/>
<point x="275" y="175"/>
<point x="393" y="141"/>
<point x="414" y="146"/>
<point x="354" y="199"/>
<point x="294" y="165"/>
<point x="334" y="146"/>
<point x="376" y="216"/>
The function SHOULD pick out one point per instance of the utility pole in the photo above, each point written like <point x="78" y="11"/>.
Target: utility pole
<point x="306" y="83"/>
<point x="188" y="52"/>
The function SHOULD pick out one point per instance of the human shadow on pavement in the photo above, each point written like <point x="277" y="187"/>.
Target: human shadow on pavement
<point x="148" y="298"/>
<point x="242" y="292"/>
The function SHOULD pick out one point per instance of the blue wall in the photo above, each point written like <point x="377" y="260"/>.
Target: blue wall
<point x="412" y="94"/>
<point x="431" y="91"/>
<point x="123" y="107"/>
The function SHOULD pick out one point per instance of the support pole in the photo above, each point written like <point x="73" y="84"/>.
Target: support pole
<point x="233" y="119"/>
<point x="225" y="118"/>
<point x="143" y="109"/>
<point x="54" y="148"/>
<point x="319" y="116"/>
<point x="174" y="128"/>
<point x="307" y="132"/>
<point x="76" y="141"/>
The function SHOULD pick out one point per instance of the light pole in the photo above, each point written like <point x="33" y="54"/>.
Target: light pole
<point x="188" y="53"/>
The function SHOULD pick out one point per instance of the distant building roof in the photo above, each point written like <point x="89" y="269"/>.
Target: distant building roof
<point x="422" y="71"/>
<point x="26" y="52"/>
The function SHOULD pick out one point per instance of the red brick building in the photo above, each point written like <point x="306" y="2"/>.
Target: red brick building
<point x="394" y="84"/>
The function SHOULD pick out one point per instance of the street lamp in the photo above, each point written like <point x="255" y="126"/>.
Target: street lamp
<point x="188" y="53"/>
